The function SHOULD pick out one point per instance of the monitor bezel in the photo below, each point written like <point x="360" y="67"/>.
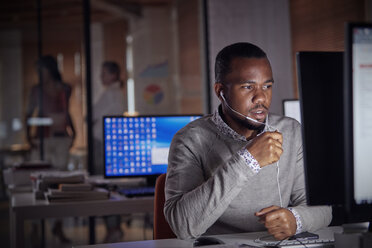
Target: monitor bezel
<point x="360" y="211"/>
<point x="312" y="193"/>
<point x="151" y="176"/>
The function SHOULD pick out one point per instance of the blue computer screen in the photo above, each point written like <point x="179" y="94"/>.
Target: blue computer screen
<point x="139" y="146"/>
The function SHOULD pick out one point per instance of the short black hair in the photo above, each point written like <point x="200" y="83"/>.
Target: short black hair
<point x="112" y="67"/>
<point x="50" y="63"/>
<point x="236" y="50"/>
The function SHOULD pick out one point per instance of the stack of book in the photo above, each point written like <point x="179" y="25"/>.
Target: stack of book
<point x="76" y="192"/>
<point x="42" y="181"/>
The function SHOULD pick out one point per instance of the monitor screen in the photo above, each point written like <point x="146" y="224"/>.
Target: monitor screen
<point x="291" y="108"/>
<point x="139" y="146"/>
<point x="362" y="113"/>
<point x="358" y="94"/>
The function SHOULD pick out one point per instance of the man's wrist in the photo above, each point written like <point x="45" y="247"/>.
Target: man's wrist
<point x="298" y="220"/>
<point x="250" y="160"/>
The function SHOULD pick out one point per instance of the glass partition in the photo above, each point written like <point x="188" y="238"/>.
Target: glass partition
<point x="145" y="61"/>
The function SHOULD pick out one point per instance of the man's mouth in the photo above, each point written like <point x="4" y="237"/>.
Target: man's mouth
<point x="259" y="114"/>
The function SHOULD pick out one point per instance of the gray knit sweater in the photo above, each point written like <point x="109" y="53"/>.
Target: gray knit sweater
<point x="210" y="189"/>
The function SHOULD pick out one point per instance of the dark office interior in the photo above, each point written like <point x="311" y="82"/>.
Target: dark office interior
<point x="164" y="49"/>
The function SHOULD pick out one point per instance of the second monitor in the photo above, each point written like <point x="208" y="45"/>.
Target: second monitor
<point x="139" y="146"/>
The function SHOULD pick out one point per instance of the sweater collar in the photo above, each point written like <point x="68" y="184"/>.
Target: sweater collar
<point x="226" y="129"/>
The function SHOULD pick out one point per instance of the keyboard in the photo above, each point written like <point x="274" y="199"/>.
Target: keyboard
<point x="298" y="243"/>
<point x="137" y="192"/>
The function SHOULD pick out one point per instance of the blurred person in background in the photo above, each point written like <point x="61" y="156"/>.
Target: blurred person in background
<point x="60" y="134"/>
<point x="110" y="102"/>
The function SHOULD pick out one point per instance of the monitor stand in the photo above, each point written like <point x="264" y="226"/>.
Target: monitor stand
<point x="357" y="227"/>
<point x="355" y="235"/>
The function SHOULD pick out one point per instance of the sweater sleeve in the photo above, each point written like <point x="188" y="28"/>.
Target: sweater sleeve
<point x="194" y="203"/>
<point x="312" y="217"/>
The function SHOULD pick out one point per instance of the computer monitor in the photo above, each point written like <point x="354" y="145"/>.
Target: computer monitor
<point x="320" y="79"/>
<point x="291" y="108"/>
<point x="358" y="119"/>
<point x="139" y="146"/>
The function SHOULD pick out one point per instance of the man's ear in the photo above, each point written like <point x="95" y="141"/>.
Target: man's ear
<point x="218" y="88"/>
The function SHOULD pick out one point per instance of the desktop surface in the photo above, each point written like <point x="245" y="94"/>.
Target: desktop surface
<point x="231" y="240"/>
<point x="24" y="207"/>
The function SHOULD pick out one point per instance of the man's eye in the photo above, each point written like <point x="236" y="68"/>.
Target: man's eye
<point x="265" y="87"/>
<point x="248" y="87"/>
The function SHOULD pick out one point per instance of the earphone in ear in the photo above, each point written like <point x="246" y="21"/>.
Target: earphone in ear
<point x="233" y="110"/>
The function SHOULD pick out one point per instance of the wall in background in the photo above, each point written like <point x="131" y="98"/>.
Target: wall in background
<point x="189" y="47"/>
<point x="154" y="61"/>
<point x="264" y="23"/>
<point x="319" y="25"/>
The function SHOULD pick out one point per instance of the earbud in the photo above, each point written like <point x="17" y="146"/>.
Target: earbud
<point x="236" y="112"/>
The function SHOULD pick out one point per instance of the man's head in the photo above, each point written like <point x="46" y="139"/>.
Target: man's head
<point x="244" y="77"/>
<point x="110" y="73"/>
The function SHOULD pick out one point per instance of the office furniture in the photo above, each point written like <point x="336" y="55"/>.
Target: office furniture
<point x="23" y="206"/>
<point x="162" y="229"/>
<point x="18" y="153"/>
<point x="231" y="239"/>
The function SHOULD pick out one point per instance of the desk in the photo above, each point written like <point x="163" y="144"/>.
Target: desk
<point x="238" y="238"/>
<point x="23" y="206"/>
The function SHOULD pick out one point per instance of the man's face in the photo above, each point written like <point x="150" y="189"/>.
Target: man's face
<point x="248" y="89"/>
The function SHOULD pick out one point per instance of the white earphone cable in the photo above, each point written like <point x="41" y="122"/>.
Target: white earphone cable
<point x="277" y="175"/>
<point x="269" y="127"/>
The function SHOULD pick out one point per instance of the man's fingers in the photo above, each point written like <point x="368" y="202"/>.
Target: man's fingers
<point x="273" y="215"/>
<point x="266" y="210"/>
<point x="278" y="148"/>
<point x="276" y="136"/>
<point x="266" y="148"/>
<point x="279" y="222"/>
<point x="275" y="230"/>
<point x="273" y="223"/>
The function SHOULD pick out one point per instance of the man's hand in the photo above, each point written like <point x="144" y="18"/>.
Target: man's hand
<point x="280" y="222"/>
<point x="266" y="148"/>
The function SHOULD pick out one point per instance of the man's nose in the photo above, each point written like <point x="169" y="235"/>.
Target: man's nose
<point x="259" y="96"/>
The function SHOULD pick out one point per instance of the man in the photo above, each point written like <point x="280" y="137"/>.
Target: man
<point x="223" y="174"/>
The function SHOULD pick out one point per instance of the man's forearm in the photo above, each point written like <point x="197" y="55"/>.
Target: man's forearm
<point x="191" y="213"/>
<point x="314" y="218"/>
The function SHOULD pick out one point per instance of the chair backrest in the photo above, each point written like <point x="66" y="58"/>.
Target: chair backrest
<point x="162" y="229"/>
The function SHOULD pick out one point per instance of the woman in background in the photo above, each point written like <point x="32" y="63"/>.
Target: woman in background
<point x="60" y="134"/>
